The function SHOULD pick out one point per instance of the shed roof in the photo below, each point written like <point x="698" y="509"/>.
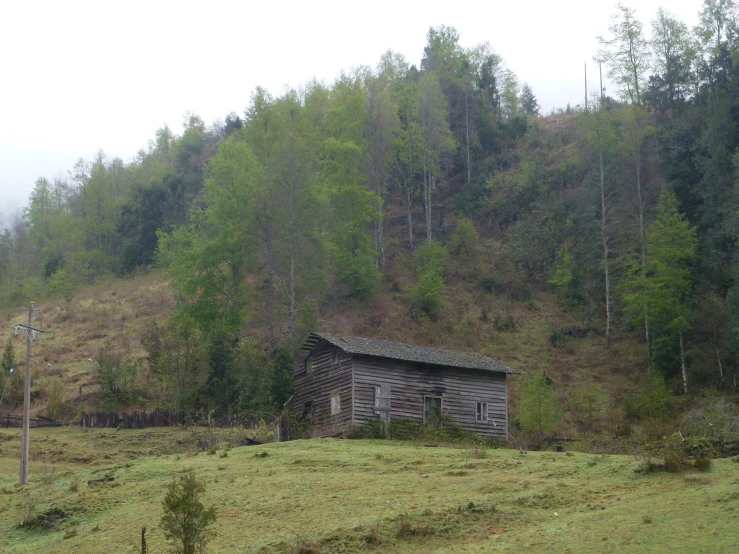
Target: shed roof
<point x="407" y="352"/>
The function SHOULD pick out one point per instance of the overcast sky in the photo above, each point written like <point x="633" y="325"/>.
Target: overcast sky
<point x="78" y="76"/>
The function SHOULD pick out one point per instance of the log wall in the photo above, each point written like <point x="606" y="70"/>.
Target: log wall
<point x="332" y="372"/>
<point x="459" y="389"/>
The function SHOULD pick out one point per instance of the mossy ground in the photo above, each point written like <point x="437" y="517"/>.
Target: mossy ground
<point x="348" y="496"/>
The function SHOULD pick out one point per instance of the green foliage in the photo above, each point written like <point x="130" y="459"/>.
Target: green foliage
<point x="8" y="361"/>
<point x="540" y="412"/>
<point x="62" y="285"/>
<point x="658" y="289"/>
<point x="404" y="429"/>
<point x="652" y="400"/>
<point x="464" y="240"/>
<point x="117" y="375"/>
<point x="175" y="354"/>
<point x="589" y="401"/>
<point x="427" y="295"/>
<point x="54" y="398"/>
<point x="355" y="261"/>
<point x="13" y="381"/>
<point x="431" y="255"/>
<point x="186" y="521"/>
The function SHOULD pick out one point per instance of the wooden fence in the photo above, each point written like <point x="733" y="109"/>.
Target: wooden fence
<point x="156" y="418"/>
<point x="17" y="421"/>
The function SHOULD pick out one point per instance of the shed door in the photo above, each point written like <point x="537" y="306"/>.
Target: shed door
<point x="383" y="401"/>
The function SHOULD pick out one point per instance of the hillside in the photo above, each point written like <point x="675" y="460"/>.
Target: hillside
<point x="356" y="496"/>
<point x="594" y="248"/>
<point x="116" y="314"/>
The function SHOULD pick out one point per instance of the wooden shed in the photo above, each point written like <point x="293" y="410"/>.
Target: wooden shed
<point x="353" y="380"/>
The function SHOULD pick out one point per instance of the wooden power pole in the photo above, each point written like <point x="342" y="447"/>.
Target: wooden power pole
<point x="30" y="335"/>
<point x="586" y="86"/>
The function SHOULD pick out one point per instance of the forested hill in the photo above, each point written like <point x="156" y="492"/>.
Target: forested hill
<point x="429" y="203"/>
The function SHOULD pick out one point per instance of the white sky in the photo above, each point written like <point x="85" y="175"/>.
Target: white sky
<point x="80" y="76"/>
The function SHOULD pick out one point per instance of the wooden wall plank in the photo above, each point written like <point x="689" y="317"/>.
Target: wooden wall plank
<point x="460" y="390"/>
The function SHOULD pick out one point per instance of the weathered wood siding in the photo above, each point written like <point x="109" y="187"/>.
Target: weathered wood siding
<point x="459" y="389"/>
<point x="332" y="371"/>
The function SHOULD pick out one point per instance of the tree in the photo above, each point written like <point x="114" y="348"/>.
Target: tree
<point x="660" y="292"/>
<point x="674" y="53"/>
<point x="529" y="105"/>
<point x="11" y="377"/>
<point x="186" y="520"/>
<point x="381" y="128"/>
<point x="716" y="29"/>
<point x="600" y="140"/>
<point x="540" y="411"/>
<point x="207" y="259"/>
<point x="427" y="295"/>
<point x="625" y="53"/>
<point x="437" y="140"/>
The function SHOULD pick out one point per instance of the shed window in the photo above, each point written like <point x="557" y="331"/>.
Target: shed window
<point x="482" y="411"/>
<point x="377" y="399"/>
<point x="335" y="356"/>
<point x="335" y="403"/>
<point x="308" y="365"/>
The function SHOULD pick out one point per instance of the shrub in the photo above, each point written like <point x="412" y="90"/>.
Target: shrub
<point x="355" y="260"/>
<point x="540" y="411"/>
<point x="504" y="323"/>
<point x="464" y="239"/>
<point x="54" y="401"/>
<point x="715" y="418"/>
<point x="702" y="464"/>
<point x="653" y="400"/>
<point x="186" y="520"/>
<point x="117" y="376"/>
<point x="427" y="296"/>
<point x="489" y="284"/>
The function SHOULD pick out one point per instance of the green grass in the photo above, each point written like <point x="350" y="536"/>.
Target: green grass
<point x="356" y="496"/>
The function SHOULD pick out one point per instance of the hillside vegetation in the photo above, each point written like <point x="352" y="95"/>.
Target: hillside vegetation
<point x="357" y="496"/>
<point x="592" y="249"/>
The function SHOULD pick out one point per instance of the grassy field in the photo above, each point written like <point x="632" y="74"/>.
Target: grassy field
<point x="355" y="496"/>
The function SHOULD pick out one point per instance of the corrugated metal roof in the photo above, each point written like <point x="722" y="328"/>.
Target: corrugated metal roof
<point x="407" y="352"/>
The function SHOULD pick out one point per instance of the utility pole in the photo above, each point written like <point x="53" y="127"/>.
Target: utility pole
<point x="600" y="70"/>
<point x="586" y="86"/>
<point x="30" y="335"/>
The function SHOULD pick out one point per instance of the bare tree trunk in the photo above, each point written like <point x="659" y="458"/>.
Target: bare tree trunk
<point x="720" y="367"/>
<point x="682" y="363"/>
<point x="427" y="198"/>
<point x="428" y="202"/>
<point x="467" y="122"/>
<point x="410" y="218"/>
<point x="642" y="239"/>
<point x="604" y="238"/>
<point x="382" y="242"/>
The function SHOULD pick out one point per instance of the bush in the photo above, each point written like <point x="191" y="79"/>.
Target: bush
<point x="355" y="260"/>
<point x="715" y="418"/>
<point x="504" y="322"/>
<point x="702" y="464"/>
<point x="405" y="429"/>
<point x="427" y="296"/>
<point x="464" y="239"/>
<point x="186" y="520"/>
<point x="653" y="400"/>
<point x="118" y="378"/>
<point x="540" y="411"/>
<point x="54" y="401"/>
<point x="489" y="284"/>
